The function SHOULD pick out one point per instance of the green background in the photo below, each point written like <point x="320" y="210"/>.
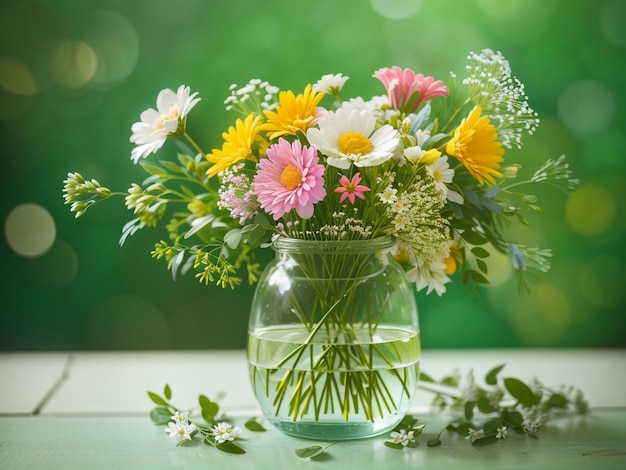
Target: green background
<point x="75" y="75"/>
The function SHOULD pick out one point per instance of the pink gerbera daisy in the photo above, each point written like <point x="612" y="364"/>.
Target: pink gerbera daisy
<point x="407" y="90"/>
<point x="289" y="178"/>
<point x="351" y="189"/>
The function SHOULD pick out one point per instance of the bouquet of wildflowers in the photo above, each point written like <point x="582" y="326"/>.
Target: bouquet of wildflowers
<point x="423" y="163"/>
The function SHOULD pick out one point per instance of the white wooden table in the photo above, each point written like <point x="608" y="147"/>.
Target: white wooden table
<point x="90" y="410"/>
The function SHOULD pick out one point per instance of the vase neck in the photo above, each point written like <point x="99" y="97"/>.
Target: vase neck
<point x="323" y="247"/>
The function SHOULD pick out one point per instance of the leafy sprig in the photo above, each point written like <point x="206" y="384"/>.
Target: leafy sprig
<point x="214" y="431"/>
<point x="483" y="415"/>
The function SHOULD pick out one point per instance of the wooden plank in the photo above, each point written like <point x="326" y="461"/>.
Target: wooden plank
<point x="27" y="379"/>
<point x="117" y="382"/>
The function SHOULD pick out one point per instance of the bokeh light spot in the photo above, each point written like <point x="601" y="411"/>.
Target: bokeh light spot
<point x="499" y="266"/>
<point x="30" y="230"/>
<point x="612" y="22"/>
<point x="115" y="43"/>
<point x="586" y="107"/>
<point x="542" y="319"/>
<point x="16" y="78"/>
<point x="602" y="282"/>
<point x="590" y="210"/>
<point x="73" y="64"/>
<point x="396" y="9"/>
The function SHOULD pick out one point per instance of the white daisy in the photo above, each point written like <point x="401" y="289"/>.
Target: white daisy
<point x="167" y="120"/>
<point x="349" y="137"/>
<point x="331" y="83"/>
<point x="443" y="175"/>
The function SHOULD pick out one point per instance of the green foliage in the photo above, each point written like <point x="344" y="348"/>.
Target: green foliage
<point x="503" y="405"/>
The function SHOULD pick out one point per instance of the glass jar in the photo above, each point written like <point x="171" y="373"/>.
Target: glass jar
<point x="333" y="339"/>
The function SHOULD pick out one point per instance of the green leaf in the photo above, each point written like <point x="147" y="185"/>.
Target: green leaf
<point x="160" y="415"/>
<point x="393" y="445"/>
<point x="167" y="391"/>
<point x="407" y="422"/>
<point x="477" y="277"/>
<point x="229" y="447"/>
<point x="253" y="425"/>
<point x="492" y="376"/>
<point x="173" y="167"/>
<point x="522" y="392"/>
<point x="463" y="428"/>
<point x="513" y="418"/>
<point x="157" y="399"/>
<point x="232" y="238"/>
<point x="485" y="441"/>
<point x="426" y="378"/>
<point x="152" y="169"/>
<point x="433" y="442"/>
<point x="485" y="406"/>
<point x="557" y="400"/>
<point x="473" y="238"/>
<point x="209" y="408"/>
<point x="469" y="410"/>
<point x="311" y="452"/>
<point x="479" y="252"/>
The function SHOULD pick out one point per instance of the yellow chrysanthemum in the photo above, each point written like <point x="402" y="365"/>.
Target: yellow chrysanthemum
<point x="237" y="146"/>
<point x="474" y="144"/>
<point x="293" y="114"/>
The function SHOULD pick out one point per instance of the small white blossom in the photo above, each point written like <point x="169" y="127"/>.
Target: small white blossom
<point x="181" y="431"/>
<point x="473" y="434"/>
<point x="388" y="196"/>
<point x="330" y="83"/>
<point x="403" y="437"/>
<point x="502" y="432"/>
<point x="224" y="431"/>
<point x="180" y="417"/>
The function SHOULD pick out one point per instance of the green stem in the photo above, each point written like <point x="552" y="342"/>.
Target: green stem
<point x="193" y="143"/>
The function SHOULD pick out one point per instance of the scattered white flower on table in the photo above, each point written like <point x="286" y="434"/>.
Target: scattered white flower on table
<point x="473" y="434"/>
<point x="403" y="437"/>
<point x="502" y="432"/>
<point x="181" y="418"/>
<point x="182" y="431"/>
<point x="168" y="120"/>
<point x="224" y="431"/>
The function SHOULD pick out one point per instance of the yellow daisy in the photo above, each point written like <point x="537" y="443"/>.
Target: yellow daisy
<point x="474" y="144"/>
<point x="293" y="114"/>
<point x="237" y="146"/>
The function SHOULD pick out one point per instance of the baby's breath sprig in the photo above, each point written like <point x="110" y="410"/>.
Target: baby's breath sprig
<point x="254" y="97"/>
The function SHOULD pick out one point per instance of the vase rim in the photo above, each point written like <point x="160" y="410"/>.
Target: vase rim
<point x="371" y="245"/>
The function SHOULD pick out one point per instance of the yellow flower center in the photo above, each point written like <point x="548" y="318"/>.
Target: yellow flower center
<point x="291" y="177"/>
<point x="437" y="175"/>
<point x="354" y="143"/>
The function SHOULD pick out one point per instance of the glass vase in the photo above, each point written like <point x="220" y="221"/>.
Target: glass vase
<point x="333" y="340"/>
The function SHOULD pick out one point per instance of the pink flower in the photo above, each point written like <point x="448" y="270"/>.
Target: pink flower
<point x="289" y="178"/>
<point x="406" y="90"/>
<point x="351" y="189"/>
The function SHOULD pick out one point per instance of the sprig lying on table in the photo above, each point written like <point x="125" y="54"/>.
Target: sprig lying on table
<point x="481" y="414"/>
<point x="485" y="415"/>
